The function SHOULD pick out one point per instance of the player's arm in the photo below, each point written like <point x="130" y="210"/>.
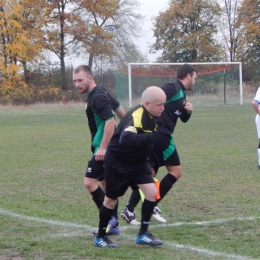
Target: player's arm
<point x="117" y="108"/>
<point x="108" y="132"/>
<point x="187" y="111"/>
<point x="120" y="112"/>
<point x="132" y="137"/>
<point x="256" y="106"/>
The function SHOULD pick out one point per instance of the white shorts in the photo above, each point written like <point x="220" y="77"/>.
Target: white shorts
<point x="257" y="122"/>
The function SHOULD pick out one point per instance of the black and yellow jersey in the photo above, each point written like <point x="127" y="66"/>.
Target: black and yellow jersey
<point x="100" y="107"/>
<point x="133" y="139"/>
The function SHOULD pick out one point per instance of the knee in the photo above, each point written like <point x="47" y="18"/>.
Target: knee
<point x="109" y="203"/>
<point x="176" y="172"/>
<point x="90" y="184"/>
<point x="151" y="195"/>
<point x="103" y="185"/>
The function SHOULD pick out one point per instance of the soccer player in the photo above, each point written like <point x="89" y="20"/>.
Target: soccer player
<point x="126" y="164"/>
<point x="256" y="107"/>
<point x="100" y="107"/>
<point x="165" y="152"/>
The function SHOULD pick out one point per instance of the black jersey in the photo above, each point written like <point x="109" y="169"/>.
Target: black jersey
<point x="100" y="107"/>
<point x="133" y="139"/>
<point x="174" y="106"/>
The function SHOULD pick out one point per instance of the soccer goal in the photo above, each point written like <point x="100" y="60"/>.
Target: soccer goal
<point x="216" y="83"/>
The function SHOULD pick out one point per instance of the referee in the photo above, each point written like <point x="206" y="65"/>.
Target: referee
<point x="126" y="164"/>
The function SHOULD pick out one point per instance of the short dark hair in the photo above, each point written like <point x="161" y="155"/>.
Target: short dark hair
<point x="184" y="70"/>
<point x="85" y="68"/>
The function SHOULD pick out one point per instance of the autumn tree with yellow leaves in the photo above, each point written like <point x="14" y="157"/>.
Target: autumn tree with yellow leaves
<point x="21" y="38"/>
<point x="108" y="29"/>
<point x="104" y="28"/>
<point x="60" y="22"/>
<point x="249" y="21"/>
<point x="96" y="28"/>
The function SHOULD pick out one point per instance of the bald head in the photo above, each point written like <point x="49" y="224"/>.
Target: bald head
<point x="152" y="93"/>
<point x="153" y="99"/>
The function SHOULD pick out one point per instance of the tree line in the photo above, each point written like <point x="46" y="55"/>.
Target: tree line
<point x="106" y="32"/>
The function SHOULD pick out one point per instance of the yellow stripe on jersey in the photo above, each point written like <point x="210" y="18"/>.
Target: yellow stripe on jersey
<point x="137" y="117"/>
<point x="131" y="129"/>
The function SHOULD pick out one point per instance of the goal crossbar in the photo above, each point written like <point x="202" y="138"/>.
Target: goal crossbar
<point x="191" y="63"/>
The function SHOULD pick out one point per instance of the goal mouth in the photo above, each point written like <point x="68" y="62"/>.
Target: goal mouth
<point x="217" y="82"/>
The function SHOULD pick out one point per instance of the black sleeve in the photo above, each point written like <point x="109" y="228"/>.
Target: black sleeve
<point x="102" y="106"/>
<point x="113" y="102"/>
<point x="131" y="137"/>
<point x="185" y="116"/>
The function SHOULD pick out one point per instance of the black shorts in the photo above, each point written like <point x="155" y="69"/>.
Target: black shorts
<point x="120" y="176"/>
<point x="164" y="151"/>
<point x="95" y="169"/>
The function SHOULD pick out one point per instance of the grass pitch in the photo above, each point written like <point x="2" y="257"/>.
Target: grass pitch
<point x="212" y="211"/>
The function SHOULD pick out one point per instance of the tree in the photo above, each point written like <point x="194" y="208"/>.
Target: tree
<point x="186" y="31"/>
<point x="32" y="21"/>
<point x="248" y="50"/>
<point x="249" y="21"/>
<point x="20" y="36"/>
<point x="59" y="30"/>
<point x="234" y="32"/>
<point x="109" y="29"/>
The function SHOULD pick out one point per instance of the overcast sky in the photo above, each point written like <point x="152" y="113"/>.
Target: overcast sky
<point x="150" y="9"/>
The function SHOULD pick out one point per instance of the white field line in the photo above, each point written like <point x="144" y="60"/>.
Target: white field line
<point x="168" y="243"/>
<point x="211" y="222"/>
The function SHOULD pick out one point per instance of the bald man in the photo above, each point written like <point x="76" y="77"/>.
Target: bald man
<point x="126" y="164"/>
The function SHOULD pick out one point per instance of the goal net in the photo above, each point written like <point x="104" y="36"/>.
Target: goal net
<point x="216" y="83"/>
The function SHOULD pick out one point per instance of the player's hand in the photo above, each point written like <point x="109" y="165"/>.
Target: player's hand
<point x="188" y="106"/>
<point x="100" y="154"/>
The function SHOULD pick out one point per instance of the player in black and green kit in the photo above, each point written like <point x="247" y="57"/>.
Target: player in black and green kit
<point x="100" y="108"/>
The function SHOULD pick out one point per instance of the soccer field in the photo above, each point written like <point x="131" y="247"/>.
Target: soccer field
<point x="212" y="212"/>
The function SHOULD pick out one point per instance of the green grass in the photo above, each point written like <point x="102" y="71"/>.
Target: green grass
<point x="46" y="213"/>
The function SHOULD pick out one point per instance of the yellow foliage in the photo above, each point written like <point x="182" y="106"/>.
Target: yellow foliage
<point x="104" y="8"/>
<point x="19" y="32"/>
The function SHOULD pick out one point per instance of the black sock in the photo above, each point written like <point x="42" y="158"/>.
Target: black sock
<point x="147" y="210"/>
<point x="98" y="197"/>
<point x="105" y="215"/>
<point x="115" y="212"/>
<point x="134" y="200"/>
<point x="166" y="184"/>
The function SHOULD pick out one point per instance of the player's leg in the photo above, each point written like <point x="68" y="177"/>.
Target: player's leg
<point x="116" y="186"/>
<point x="144" y="237"/>
<point x="113" y="225"/>
<point x="174" y="173"/>
<point x="162" y="152"/>
<point x="145" y="182"/>
<point x="257" y="122"/>
<point x="105" y="215"/>
<point x="168" y="157"/>
<point x="128" y="212"/>
<point x="94" y="173"/>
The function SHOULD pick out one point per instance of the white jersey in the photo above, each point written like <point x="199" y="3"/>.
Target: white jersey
<point x="257" y="118"/>
<point x="257" y="96"/>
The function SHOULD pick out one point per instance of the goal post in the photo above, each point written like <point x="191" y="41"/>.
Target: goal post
<point x="163" y="71"/>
